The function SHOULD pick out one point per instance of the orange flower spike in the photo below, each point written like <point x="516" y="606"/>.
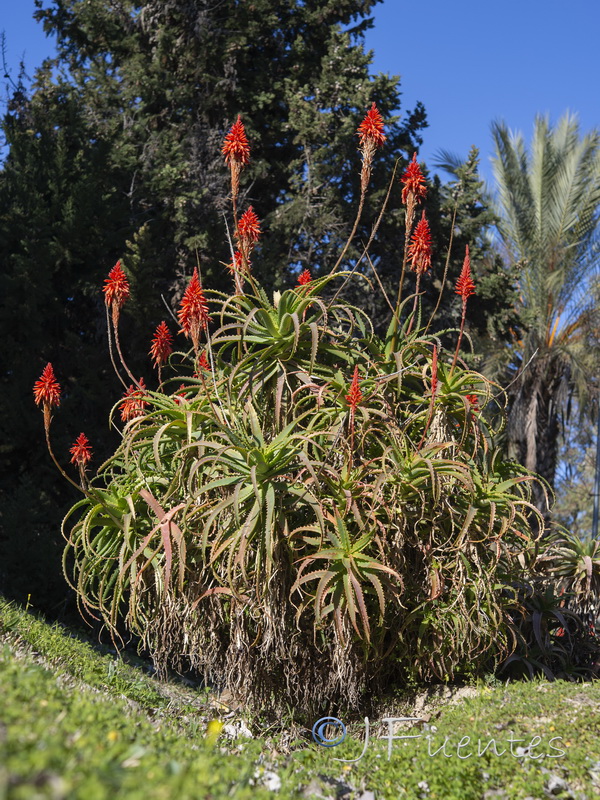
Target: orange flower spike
<point x="161" y="347"/>
<point x="249" y="226"/>
<point x="46" y="390"/>
<point x="354" y="396"/>
<point x="81" y="451"/>
<point x="116" y="290"/>
<point x="413" y="182"/>
<point x="370" y="133"/>
<point x="248" y="233"/>
<point x="465" y="288"/>
<point x="237" y="155"/>
<point x="464" y="285"/>
<point x="370" y="129"/>
<point x="237" y="264"/>
<point x="203" y="363"/>
<point x="133" y="403"/>
<point x="304" y="278"/>
<point x="193" y="311"/>
<point x="419" y="250"/>
<point x="236" y="148"/>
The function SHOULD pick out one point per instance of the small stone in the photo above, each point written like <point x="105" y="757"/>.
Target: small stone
<point x="314" y="791"/>
<point x="556" y="785"/>
<point x="236" y="729"/>
<point x="271" y="781"/>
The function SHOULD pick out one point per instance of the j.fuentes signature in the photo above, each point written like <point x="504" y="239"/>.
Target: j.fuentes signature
<point x="463" y="749"/>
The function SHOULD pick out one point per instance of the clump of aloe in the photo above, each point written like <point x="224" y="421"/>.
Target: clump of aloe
<point x="302" y="510"/>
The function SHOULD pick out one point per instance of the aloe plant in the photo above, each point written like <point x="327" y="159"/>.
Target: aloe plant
<point x="302" y="509"/>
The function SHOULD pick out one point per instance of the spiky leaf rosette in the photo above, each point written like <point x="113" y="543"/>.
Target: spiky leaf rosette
<point x="239" y="510"/>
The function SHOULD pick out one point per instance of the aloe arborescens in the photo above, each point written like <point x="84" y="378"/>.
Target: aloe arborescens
<point x="297" y="535"/>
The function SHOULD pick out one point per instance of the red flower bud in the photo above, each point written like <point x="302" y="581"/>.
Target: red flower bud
<point x="81" y="450"/>
<point x="235" y="147"/>
<point x="464" y="285"/>
<point x="46" y="390"/>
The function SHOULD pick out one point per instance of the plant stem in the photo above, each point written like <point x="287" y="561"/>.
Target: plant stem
<point x="439" y="300"/>
<point x="110" y="350"/>
<point x="58" y="466"/>
<point x="414" y="311"/>
<point x="460" y="335"/>
<point x="371" y="237"/>
<point x="118" y="344"/>
<point x="353" y="232"/>
<point x="396" y="320"/>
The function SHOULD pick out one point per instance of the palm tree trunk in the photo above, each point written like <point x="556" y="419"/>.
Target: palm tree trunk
<point x="533" y="428"/>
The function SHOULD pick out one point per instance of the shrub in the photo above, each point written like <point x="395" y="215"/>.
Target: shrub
<point x="301" y="509"/>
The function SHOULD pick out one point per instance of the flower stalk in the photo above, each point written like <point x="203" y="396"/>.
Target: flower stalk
<point x="237" y="155"/>
<point x="116" y="293"/>
<point x="81" y="453"/>
<point x="46" y="393"/>
<point x="247" y="234"/>
<point x="371" y="137"/>
<point x="419" y="252"/>
<point x="161" y="347"/>
<point x="193" y="311"/>
<point x="413" y="192"/>
<point x="353" y="398"/>
<point x="465" y="288"/>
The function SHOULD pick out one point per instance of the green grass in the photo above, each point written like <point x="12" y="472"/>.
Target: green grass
<point x="79" y="723"/>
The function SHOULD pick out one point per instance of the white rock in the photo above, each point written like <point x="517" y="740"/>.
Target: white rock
<point x="271" y="781"/>
<point x="236" y="729"/>
<point x="556" y="785"/>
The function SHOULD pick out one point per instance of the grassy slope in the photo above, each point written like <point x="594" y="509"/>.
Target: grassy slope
<point x="78" y="724"/>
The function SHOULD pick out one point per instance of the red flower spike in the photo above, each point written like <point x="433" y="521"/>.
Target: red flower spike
<point x="237" y="265"/>
<point x="81" y="450"/>
<point x="354" y="396"/>
<point x="46" y="390"/>
<point x="235" y="148"/>
<point x="133" y="403"/>
<point x="370" y="129"/>
<point x="464" y="285"/>
<point x="202" y="364"/>
<point x="419" y="250"/>
<point x="249" y="227"/>
<point x="116" y="289"/>
<point x="304" y="278"/>
<point x="474" y="401"/>
<point x="414" y="182"/>
<point x="161" y="347"/>
<point x="193" y="311"/>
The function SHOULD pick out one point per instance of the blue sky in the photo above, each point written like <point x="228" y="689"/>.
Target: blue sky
<point x="471" y="61"/>
<point x="468" y="61"/>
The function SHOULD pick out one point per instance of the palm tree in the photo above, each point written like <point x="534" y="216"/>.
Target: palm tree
<point x="548" y="200"/>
